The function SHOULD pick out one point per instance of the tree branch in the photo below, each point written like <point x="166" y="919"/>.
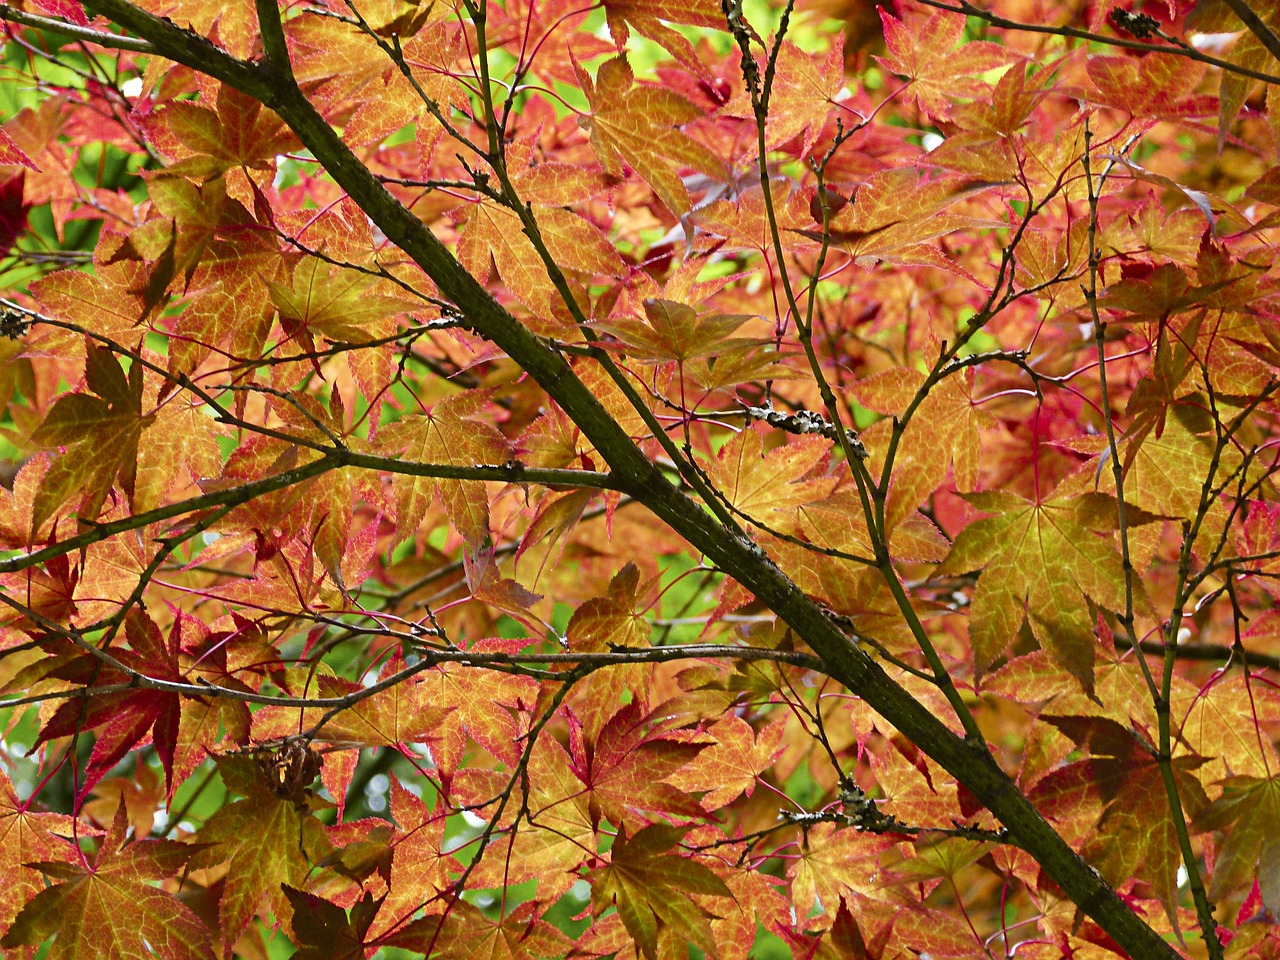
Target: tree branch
<point x="964" y="8"/>
<point x="273" y="41"/>
<point x="737" y="556"/>
<point x="1257" y="26"/>
<point x="511" y="472"/>
<point x="77" y="32"/>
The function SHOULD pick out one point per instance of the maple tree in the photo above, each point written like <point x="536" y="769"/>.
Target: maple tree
<point x="640" y="479"/>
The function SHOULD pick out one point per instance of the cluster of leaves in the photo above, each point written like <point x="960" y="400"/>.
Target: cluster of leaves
<point x="536" y="479"/>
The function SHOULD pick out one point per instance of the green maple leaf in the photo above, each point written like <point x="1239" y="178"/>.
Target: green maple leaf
<point x="1039" y="562"/>
<point x="651" y="888"/>
<point x="110" y="909"/>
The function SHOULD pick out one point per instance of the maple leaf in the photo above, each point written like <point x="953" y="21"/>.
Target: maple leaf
<point x="743" y="220"/>
<point x="833" y="863"/>
<point x="141" y="795"/>
<point x="802" y="93"/>
<point x="181" y="438"/>
<point x="430" y="42"/>
<point x="757" y="902"/>
<point x="26" y="837"/>
<point x="651" y="889"/>
<point x="611" y="623"/>
<point x="239" y="133"/>
<point x="647" y="16"/>
<point x="467" y="932"/>
<point x="453" y="433"/>
<point x="11" y="153"/>
<point x="945" y="430"/>
<point x="1220" y="725"/>
<point x="419" y="866"/>
<point x="207" y="725"/>
<point x="733" y="763"/>
<point x="99" y="435"/>
<point x="324" y="931"/>
<point x="674" y="331"/>
<point x="13" y="211"/>
<point x="198" y="220"/>
<point x="1247" y="51"/>
<point x="128" y="718"/>
<point x="1039" y="561"/>
<point x="574" y="243"/>
<point x="334" y="303"/>
<point x="92" y="899"/>
<point x="642" y="127"/>
<point x="235" y="26"/>
<point x="765" y="485"/>
<point x="924" y="51"/>
<point x="560" y="828"/>
<point x="1135" y="831"/>
<point x="626" y="769"/>
<point x="895" y="212"/>
<point x="485" y="706"/>
<point x="1246" y="814"/>
<point x="265" y="840"/>
<point x="489" y="586"/>
<point x="395" y="717"/>
<point x="1156" y="85"/>
<point x="48" y="590"/>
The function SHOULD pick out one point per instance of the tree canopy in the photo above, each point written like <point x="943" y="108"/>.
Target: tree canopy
<point x="650" y="478"/>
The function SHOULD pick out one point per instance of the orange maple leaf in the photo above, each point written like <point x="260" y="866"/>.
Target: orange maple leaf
<point x="453" y="433"/>
<point x="265" y="839"/>
<point x="99" y="435"/>
<point x="651" y="888"/>
<point x="92" y="899"/>
<point x="925" y="52"/>
<point x="641" y="126"/>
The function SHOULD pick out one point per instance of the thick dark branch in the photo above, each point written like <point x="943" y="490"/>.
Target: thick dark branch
<point x="273" y="42"/>
<point x="184" y="46"/>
